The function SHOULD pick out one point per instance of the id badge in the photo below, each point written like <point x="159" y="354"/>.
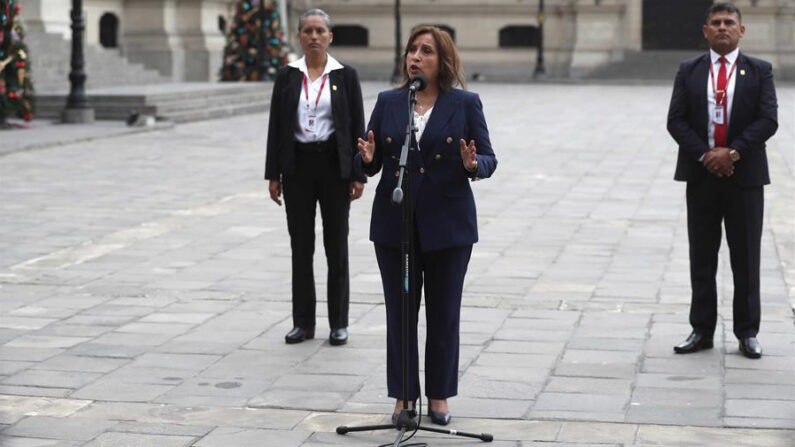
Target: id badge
<point x="718" y="117"/>
<point x="311" y="122"/>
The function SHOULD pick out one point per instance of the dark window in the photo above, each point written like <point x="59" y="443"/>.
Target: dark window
<point x="222" y="24"/>
<point x="519" y="36"/>
<point x="674" y="24"/>
<point x="350" y="36"/>
<point x="109" y="30"/>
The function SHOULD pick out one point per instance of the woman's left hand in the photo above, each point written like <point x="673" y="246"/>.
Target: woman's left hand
<point x="469" y="155"/>
<point x="356" y="188"/>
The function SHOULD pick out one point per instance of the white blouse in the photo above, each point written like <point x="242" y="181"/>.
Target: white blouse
<point x="420" y="121"/>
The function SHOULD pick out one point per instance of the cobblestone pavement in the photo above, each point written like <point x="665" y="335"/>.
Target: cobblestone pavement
<point x="145" y="292"/>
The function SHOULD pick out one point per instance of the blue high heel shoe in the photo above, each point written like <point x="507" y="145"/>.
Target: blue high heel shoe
<point x="439" y="418"/>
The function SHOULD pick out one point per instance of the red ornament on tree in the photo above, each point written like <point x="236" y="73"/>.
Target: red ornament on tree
<point x="16" y="84"/>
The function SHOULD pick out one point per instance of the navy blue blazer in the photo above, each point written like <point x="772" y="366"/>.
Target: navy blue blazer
<point x="444" y="207"/>
<point x="753" y="119"/>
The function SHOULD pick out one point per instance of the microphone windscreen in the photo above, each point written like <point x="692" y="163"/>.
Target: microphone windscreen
<point x="419" y="82"/>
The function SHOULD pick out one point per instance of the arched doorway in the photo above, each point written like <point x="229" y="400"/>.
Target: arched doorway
<point x="109" y="30"/>
<point x="350" y="36"/>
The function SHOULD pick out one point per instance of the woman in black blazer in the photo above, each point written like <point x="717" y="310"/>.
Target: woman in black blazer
<point x="315" y="118"/>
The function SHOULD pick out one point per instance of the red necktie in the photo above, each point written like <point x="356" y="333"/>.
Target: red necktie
<point x="721" y="101"/>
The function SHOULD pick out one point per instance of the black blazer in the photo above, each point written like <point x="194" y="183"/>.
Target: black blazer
<point x="752" y="121"/>
<point x="346" y="110"/>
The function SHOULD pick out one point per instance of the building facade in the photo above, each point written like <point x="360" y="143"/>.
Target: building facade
<point x="180" y="39"/>
<point x="498" y="39"/>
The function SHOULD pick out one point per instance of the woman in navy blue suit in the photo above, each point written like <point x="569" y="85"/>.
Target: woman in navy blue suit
<point x="454" y="148"/>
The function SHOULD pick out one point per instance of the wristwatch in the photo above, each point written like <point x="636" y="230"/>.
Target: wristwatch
<point x="734" y="155"/>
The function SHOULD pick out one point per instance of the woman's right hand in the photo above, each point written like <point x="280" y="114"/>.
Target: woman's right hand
<point x="367" y="148"/>
<point x="275" y="188"/>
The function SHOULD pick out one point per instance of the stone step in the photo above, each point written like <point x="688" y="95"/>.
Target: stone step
<point x="648" y="65"/>
<point x="218" y="112"/>
<point x="50" y="62"/>
<point x="176" y="102"/>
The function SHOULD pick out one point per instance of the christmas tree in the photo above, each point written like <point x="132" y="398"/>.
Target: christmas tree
<point x="16" y="85"/>
<point x="255" y="47"/>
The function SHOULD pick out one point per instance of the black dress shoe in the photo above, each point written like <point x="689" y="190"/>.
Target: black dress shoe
<point x="695" y="342"/>
<point x="299" y="334"/>
<point x="338" y="337"/>
<point x="751" y="348"/>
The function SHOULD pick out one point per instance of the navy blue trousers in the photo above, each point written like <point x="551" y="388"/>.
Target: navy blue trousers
<point x="442" y="273"/>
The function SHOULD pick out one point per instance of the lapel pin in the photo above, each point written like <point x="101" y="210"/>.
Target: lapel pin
<point x="742" y="72"/>
<point x="334" y="87"/>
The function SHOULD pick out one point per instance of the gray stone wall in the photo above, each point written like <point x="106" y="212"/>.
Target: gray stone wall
<point x="181" y="40"/>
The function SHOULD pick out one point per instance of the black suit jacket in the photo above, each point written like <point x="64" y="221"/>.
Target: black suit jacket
<point x="346" y="110"/>
<point x="752" y="121"/>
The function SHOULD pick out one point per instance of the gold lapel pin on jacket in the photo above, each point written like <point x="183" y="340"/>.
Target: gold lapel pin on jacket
<point x="334" y="87"/>
<point x="742" y="72"/>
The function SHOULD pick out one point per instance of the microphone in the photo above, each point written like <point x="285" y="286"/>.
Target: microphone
<point x="418" y="83"/>
<point x="397" y="196"/>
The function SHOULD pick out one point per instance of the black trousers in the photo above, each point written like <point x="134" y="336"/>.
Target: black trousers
<point x="442" y="272"/>
<point x="709" y="203"/>
<point x="317" y="179"/>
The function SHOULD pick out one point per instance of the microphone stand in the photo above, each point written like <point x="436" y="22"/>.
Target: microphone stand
<point x="401" y="195"/>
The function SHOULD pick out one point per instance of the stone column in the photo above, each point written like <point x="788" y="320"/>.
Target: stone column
<point x="785" y="40"/>
<point x="598" y="31"/>
<point x="633" y="25"/>
<point x="151" y="37"/>
<point x="770" y="33"/>
<point x="285" y="18"/>
<point x="47" y="16"/>
<point x="202" y="41"/>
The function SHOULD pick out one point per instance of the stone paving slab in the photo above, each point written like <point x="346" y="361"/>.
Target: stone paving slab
<point x="145" y="288"/>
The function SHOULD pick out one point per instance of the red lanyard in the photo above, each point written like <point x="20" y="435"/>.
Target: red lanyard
<point x="320" y="92"/>
<point x="724" y="94"/>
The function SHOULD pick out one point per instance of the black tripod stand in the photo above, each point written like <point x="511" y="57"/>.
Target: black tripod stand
<point x="401" y="195"/>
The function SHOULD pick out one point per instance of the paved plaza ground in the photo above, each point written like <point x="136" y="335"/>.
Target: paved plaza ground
<point x="145" y="291"/>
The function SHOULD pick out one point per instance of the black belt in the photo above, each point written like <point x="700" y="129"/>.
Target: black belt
<point x="317" y="146"/>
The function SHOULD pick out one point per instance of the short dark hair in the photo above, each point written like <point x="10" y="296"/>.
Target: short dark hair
<point x="724" y="7"/>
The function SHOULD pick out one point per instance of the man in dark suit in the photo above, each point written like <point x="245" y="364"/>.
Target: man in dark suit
<point x="722" y="111"/>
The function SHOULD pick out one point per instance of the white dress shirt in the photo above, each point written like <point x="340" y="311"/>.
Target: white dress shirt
<point x="324" y="125"/>
<point x="731" y="58"/>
